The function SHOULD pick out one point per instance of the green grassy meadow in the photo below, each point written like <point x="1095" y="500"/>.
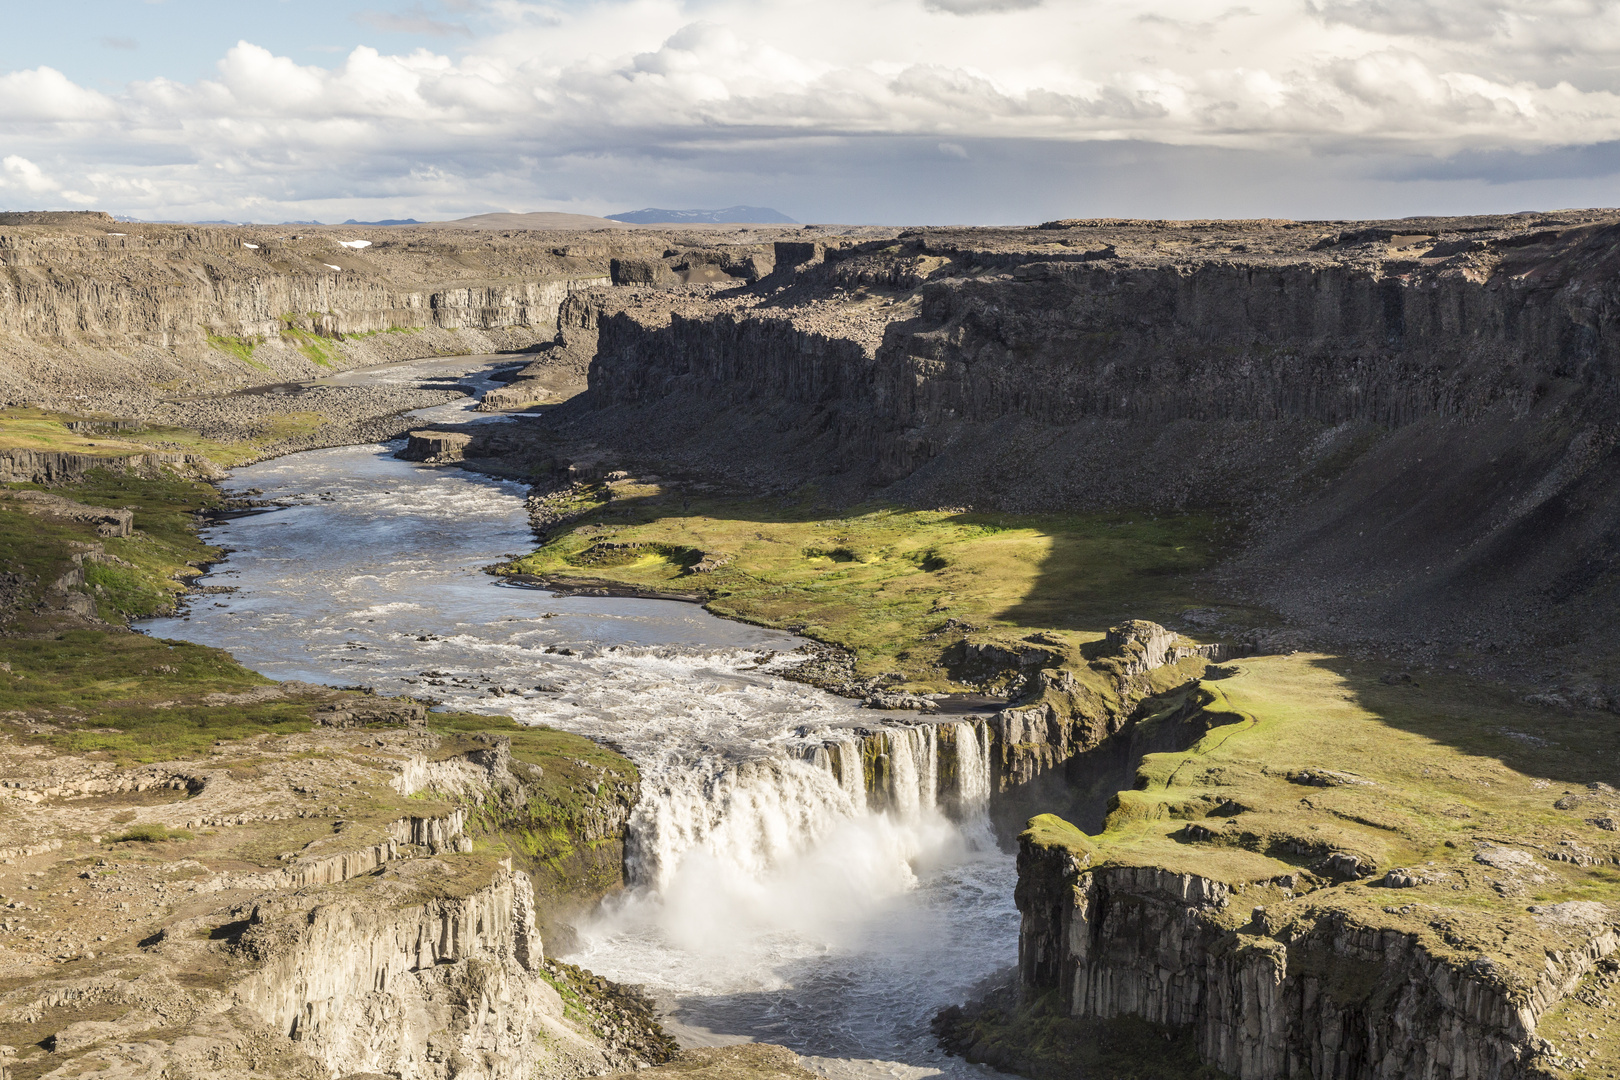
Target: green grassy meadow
<point x="883" y="581"/>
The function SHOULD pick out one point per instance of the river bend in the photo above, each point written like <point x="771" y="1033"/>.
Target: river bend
<point x="770" y="901"/>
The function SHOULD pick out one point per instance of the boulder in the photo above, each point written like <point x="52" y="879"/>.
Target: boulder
<point x="436" y="447"/>
<point x="362" y="713"/>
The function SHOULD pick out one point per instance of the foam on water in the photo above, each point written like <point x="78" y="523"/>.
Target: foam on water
<point x="775" y="897"/>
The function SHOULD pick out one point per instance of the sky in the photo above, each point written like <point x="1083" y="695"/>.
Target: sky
<point x="833" y="111"/>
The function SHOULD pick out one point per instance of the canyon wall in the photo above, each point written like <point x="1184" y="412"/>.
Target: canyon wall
<point x="89" y="304"/>
<point x="1315" y="994"/>
<point x="444" y="987"/>
<point x="1419" y="428"/>
<point x="1315" y="336"/>
<point x="147" y="310"/>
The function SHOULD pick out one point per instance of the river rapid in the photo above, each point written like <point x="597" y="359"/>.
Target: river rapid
<point x="768" y="902"/>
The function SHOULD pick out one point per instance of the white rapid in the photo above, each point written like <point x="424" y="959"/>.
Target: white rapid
<point x="804" y="872"/>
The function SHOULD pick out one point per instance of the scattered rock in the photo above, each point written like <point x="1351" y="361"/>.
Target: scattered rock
<point x="1345" y="866"/>
<point x="362" y="713"/>
<point x="1503" y="858"/>
<point x="900" y="701"/>
<point x="709" y="562"/>
<point x="1328" y="778"/>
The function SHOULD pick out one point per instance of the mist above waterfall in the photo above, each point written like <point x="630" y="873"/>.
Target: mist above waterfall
<point x="732" y="920"/>
<point x="768" y="892"/>
<point x="836" y="932"/>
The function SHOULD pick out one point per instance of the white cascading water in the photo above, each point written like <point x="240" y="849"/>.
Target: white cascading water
<point x="751" y="816"/>
<point x="774" y="896"/>
<point x="973" y="767"/>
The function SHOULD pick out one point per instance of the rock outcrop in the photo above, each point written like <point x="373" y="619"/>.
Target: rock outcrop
<point x="1144" y="646"/>
<point x="26" y="466"/>
<point x="109" y="521"/>
<point x="447" y="987"/>
<point x="1316" y="995"/>
<point x="363" y="712"/>
<point x="436" y="447"/>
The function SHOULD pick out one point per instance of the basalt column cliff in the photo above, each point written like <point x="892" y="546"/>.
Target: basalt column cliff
<point x="1415" y="420"/>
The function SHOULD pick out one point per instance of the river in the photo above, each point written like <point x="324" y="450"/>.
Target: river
<point x="768" y="903"/>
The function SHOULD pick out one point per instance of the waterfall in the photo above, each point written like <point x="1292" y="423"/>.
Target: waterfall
<point x="913" y="773"/>
<point x="744" y="818"/>
<point x="912" y="769"/>
<point x="904" y="797"/>
<point x="972" y="768"/>
<point x="842" y="758"/>
<point x="748" y="817"/>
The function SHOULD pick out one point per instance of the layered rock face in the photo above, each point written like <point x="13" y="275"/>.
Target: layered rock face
<point x="112" y="315"/>
<point x="58" y="467"/>
<point x="376" y="942"/>
<point x="1318" y="997"/>
<point x="445" y="987"/>
<point x="1415" y="418"/>
<point x="1069" y="748"/>
<point x="1304" y="322"/>
<point x="173" y="285"/>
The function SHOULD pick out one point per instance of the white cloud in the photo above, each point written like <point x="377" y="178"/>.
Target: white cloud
<point x="45" y="94"/>
<point x="552" y="89"/>
<point x="20" y="174"/>
<point x="978" y="7"/>
<point x="414" y="21"/>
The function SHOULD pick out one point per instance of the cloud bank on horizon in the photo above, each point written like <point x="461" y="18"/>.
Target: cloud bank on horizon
<point x="908" y="111"/>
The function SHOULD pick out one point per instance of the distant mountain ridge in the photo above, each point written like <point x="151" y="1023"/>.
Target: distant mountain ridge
<point x="540" y="220"/>
<point x="731" y="215"/>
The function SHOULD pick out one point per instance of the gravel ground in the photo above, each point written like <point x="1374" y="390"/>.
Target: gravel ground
<point x="351" y="414"/>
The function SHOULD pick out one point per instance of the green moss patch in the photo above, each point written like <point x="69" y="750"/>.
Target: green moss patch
<point x="23" y="428"/>
<point x="133" y="698"/>
<point x="318" y="350"/>
<point x="888" y="583"/>
<point x="566" y="829"/>
<point x="144" y="577"/>
<point x="1051" y="831"/>
<point x="1037" y="1039"/>
<point x="239" y="347"/>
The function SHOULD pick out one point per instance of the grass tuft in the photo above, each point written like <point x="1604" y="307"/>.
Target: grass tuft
<point x="239" y="347"/>
<point x="150" y="833"/>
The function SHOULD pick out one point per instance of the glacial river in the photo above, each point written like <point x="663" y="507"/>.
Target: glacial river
<point x="768" y="903"/>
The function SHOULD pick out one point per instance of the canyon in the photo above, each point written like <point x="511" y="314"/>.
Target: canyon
<point x="1326" y="790"/>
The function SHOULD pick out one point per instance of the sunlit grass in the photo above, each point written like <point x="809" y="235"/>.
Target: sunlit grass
<point x="880" y="580"/>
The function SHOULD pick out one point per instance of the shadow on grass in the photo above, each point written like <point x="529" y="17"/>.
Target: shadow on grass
<point x="884" y="580"/>
<point x="1569" y="747"/>
<point x="1101" y="569"/>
